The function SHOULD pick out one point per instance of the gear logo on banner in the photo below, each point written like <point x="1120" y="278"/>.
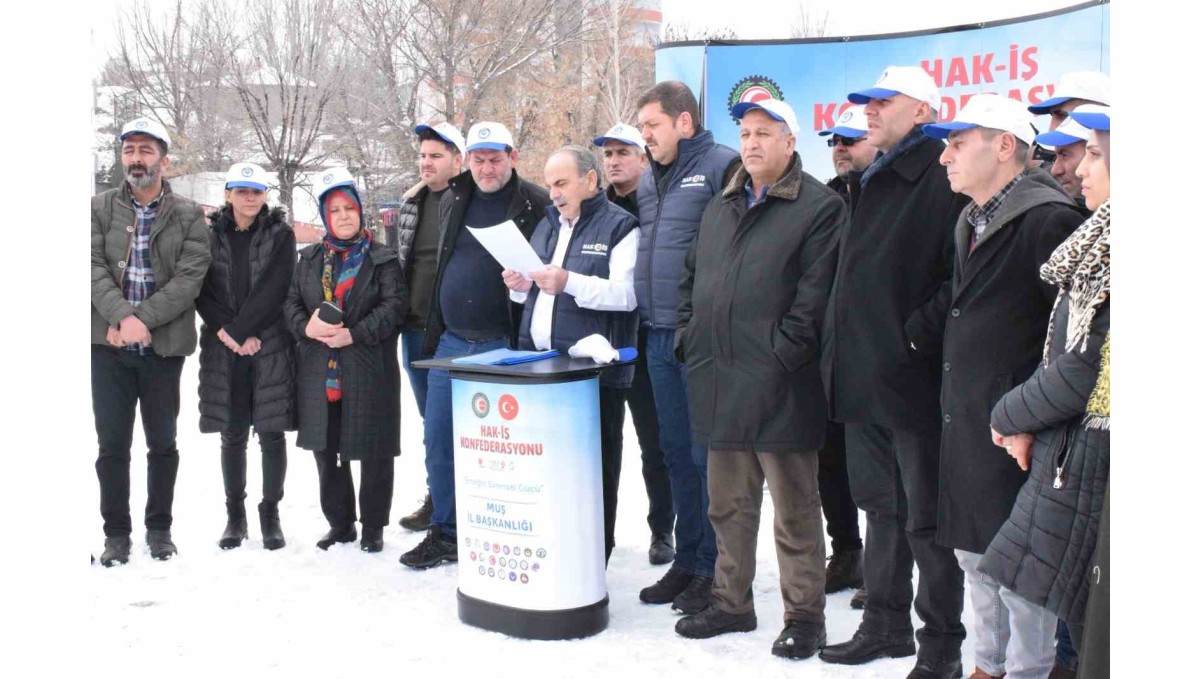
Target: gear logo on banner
<point x="480" y="405"/>
<point x="753" y="88"/>
<point x="508" y="407"/>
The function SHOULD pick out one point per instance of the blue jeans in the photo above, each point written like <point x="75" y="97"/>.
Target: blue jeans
<point x="439" y="429"/>
<point x="687" y="465"/>
<point x="418" y="378"/>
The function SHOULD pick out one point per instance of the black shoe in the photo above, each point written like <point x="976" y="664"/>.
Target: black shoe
<point x="235" y="529"/>
<point x="268" y="520"/>
<point x="161" y="547"/>
<point x="372" y="539"/>
<point x="342" y="535"/>
<point x="866" y="646"/>
<point x="667" y="588"/>
<point x="859" y="600"/>
<point x="935" y="666"/>
<point x="844" y="571"/>
<point x="116" y="550"/>
<point x="419" y="520"/>
<point x="662" y="549"/>
<point x="433" y="550"/>
<point x="713" y="621"/>
<point x="799" y="640"/>
<point x="694" y="597"/>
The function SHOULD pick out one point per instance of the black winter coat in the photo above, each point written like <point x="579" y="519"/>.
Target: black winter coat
<point x="271" y="261"/>
<point x="994" y="316"/>
<point x="528" y="206"/>
<point x="753" y="294"/>
<point x="1044" y="550"/>
<point x="896" y="253"/>
<point x="370" y="369"/>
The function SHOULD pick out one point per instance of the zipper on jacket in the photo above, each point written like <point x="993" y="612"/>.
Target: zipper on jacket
<point x="1063" y="459"/>
<point x="658" y="196"/>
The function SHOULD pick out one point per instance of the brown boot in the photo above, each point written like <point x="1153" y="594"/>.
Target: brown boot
<point x="980" y="674"/>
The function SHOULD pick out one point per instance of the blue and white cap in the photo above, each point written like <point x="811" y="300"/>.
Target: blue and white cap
<point x="489" y="136"/>
<point x="148" y="127"/>
<point x="626" y="134"/>
<point x="332" y="178"/>
<point x="1089" y="85"/>
<point x="247" y="175"/>
<point x="991" y="111"/>
<point x="446" y="132"/>
<point x="773" y="107"/>
<point x="1092" y="116"/>
<point x="910" y="80"/>
<point x="852" y="124"/>
<point x="1070" y="132"/>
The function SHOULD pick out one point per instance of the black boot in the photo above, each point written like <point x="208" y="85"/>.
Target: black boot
<point x="867" y="645"/>
<point x="934" y="665"/>
<point x="844" y="571"/>
<point x="713" y="621"/>
<point x="341" y="534"/>
<point x="694" y="597"/>
<point x="268" y="520"/>
<point x="431" y="551"/>
<point x="662" y="549"/>
<point x="372" y="539"/>
<point x="859" y="600"/>
<point x="419" y="520"/>
<point x="235" y="527"/>
<point x="116" y="550"/>
<point x="799" y="640"/>
<point x="161" y="546"/>
<point x="669" y="586"/>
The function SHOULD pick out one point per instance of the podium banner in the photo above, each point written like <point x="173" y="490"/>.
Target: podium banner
<point x="529" y="502"/>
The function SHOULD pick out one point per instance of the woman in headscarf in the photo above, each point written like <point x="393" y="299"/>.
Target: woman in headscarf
<point x="1056" y="423"/>
<point x="344" y="308"/>
<point x="246" y="353"/>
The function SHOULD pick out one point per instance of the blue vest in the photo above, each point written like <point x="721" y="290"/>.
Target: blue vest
<point x="669" y="209"/>
<point x="600" y="227"/>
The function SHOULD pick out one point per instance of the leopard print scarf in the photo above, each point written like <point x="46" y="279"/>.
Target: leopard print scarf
<point x="1080" y="267"/>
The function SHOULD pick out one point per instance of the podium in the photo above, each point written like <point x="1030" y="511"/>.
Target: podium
<point x="529" y="497"/>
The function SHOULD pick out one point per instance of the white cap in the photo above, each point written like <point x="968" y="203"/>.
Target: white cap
<point x="773" y="107"/>
<point x="447" y="132"/>
<point x="1070" y="132"/>
<point x="488" y="135"/>
<point x="852" y="123"/>
<point x="148" y="127"/>
<point x="991" y="111"/>
<point x="1092" y="116"/>
<point x="246" y="175"/>
<point x="626" y="134"/>
<point x="332" y="178"/>
<point x="1089" y="85"/>
<point x="910" y="80"/>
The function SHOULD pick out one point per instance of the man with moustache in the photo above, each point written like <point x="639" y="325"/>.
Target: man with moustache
<point x="439" y="159"/>
<point x="1069" y="142"/>
<point x="852" y="154"/>
<point x="150" y="253"/>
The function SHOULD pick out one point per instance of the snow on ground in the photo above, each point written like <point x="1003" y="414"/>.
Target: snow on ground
<point x="303" y="612"/>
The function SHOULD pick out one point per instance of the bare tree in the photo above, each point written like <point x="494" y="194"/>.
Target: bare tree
<point x="688" y="32"/>
<point x="285" y="68"/>
<point x="621" y="58"/>
<point x="807" y="25"/>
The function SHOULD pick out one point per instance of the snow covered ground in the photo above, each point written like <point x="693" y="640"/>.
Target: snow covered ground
<point x="303" y="612"/>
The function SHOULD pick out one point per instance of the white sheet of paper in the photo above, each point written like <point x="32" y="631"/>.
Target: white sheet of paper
<point x="509" y="247"/>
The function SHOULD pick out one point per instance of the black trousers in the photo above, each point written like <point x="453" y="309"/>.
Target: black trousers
<point x="612" y="421"/>
<point x="237" y="435"/>
<point x="841" y="514"/>
<point x="337" y="485"/>
<point x="894" y="479"/>
<point x="123" y="381"/>
<point x="640" y="397"/>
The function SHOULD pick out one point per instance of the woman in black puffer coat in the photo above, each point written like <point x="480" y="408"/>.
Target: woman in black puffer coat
<point x="246" y="352"/>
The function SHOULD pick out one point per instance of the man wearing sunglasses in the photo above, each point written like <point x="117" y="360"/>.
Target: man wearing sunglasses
<point x="851" y="151"/>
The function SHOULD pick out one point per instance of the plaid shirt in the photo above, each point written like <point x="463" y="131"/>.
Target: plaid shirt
<point x="751" y="199"/>
<point x="980" y="215"/>
<point x="138" y="283"/>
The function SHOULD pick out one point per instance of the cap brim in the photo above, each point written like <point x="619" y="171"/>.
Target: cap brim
<point x="144" y="133"/>
<point x="246" y="185"/>
<point x="420" y="129"/>
<point x="1049" y="105"/>
<point x="739" y="110"/>
<point x="601" y="141"/>
<point x="848" y="132"/>
<point x="1092" y="121"/>
<point x="943" y="130"/>
<point x="487" y="146"/>
<point x="1056" y="138"/>
<point x="864" y="96"/>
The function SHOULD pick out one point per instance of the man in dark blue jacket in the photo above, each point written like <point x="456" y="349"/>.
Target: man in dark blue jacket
<point x="687" y="169"/>
<point x="589" y="246"/>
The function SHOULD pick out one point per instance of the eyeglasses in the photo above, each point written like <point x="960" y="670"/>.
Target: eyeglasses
<point x="844" y="141"/>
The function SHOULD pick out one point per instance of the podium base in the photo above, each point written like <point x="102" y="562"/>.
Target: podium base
<point x="573" y="623"/>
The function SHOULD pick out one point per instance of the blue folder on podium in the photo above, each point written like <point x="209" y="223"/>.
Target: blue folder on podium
<point x="506" y="357"/>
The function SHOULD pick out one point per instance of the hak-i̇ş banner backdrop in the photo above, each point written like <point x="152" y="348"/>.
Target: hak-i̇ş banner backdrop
<point x="1022" y="58"/>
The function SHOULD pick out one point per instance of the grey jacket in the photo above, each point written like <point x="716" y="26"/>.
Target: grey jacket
<point x="179" y="256"/>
